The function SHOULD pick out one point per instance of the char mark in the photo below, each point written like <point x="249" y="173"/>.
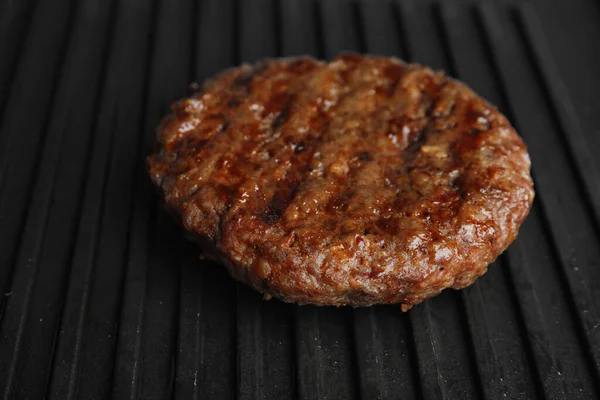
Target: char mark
<point x="280" y="202"/>
<point x="413" y="148"/>
<point x="244" y="80"/>
<point x="364" y="156"/>
<point x="282" y="104"/>
<point x="299" y="148"/>
<point x="233" y="103"/>
<point x="281" y="118"/>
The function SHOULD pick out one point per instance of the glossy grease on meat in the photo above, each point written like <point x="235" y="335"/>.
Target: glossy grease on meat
<point x="361" y="181"/>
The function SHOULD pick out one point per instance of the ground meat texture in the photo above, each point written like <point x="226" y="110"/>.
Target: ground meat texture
<point x="361" y="181"/>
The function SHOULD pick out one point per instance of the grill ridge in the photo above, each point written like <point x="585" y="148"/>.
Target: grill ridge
<point x="15" y="18"/>
<point x="551" y="211"/>
<point x="586" y="308"/>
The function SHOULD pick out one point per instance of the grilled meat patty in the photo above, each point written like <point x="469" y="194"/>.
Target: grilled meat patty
<point x="360" y="181"/>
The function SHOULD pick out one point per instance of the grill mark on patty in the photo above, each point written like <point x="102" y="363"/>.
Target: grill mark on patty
<point x="348" y="198"/>
<point x="302" y="168"/>
<point x="296" y="171"/>
<point x="245" y="159"/>
<point x="317" y="145"/>
<point x="395" y="73"/>
<point x="214" y="154"/>
<point x="346" y="191"/>
<point x="279" y="104"/>
<point x="417" y="141"/>
<point x="279" y="202"/>
<point x="282" y="117"/>
<point x="182" y="165"/>
<point x="388" y="223"/>
<point x="244" y="80"/>
<point x="280" y="150"/>
<point x="211" y="195"/>
<point x="196" y="116"/>
<point x="214" y="134"/>
<point x="339" y="197"/>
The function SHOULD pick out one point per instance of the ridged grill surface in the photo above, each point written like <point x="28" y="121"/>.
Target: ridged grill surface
<point x="102" y="297"/>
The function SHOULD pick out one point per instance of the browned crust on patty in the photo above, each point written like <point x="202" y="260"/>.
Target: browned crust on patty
<point x="361" y="181"/>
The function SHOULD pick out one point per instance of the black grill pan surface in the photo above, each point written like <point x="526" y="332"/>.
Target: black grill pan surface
<point x="101" y="297"/>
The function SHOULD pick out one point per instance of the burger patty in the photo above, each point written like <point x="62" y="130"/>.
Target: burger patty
<point x="361" y="181"/>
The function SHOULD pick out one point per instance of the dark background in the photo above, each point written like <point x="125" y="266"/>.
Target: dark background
<point x="573" y="30"/>
<point x="101" y="296"/>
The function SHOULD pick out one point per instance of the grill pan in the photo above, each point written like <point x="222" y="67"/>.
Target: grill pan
<point x="101" y="297"/>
